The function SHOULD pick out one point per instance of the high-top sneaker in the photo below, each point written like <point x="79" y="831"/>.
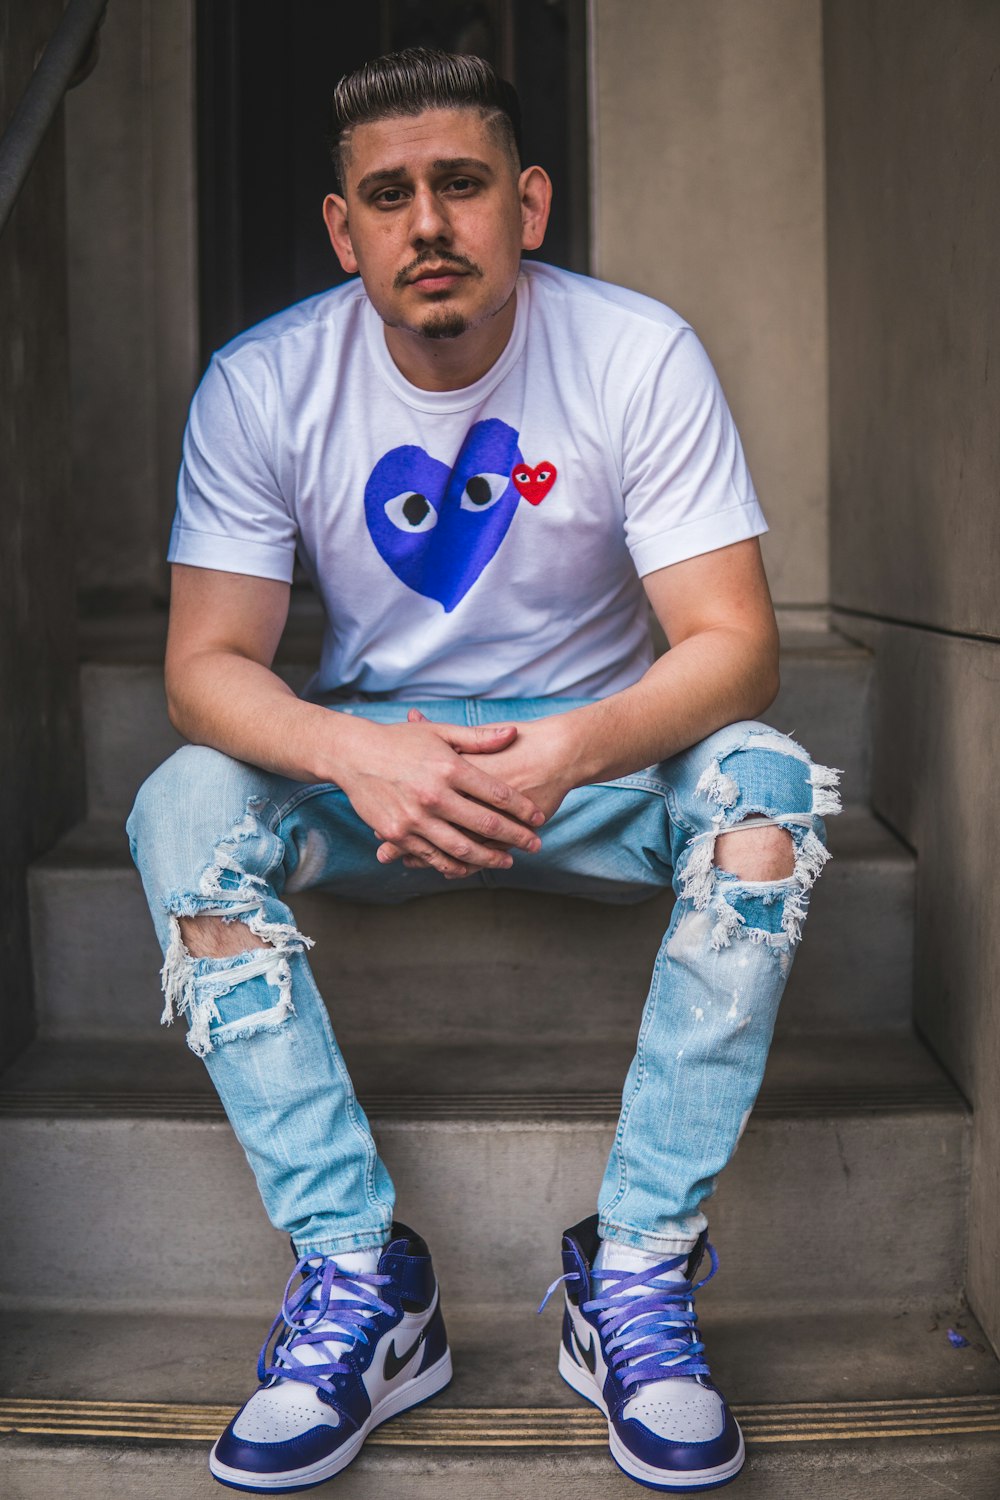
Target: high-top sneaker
<point x="359" y="1338"/>
<point x="630" y="1344"/>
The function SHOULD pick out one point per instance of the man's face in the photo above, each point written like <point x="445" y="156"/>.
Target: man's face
<point x="434" y="217"/>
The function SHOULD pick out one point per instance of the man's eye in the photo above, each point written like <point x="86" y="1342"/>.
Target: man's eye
<point x="389" y="197"/>
<point x="411" y="512"/>
<point x="461" y="184"/>
<point x="483" y="490"/>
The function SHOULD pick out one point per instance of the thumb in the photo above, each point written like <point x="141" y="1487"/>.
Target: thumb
<point x="480" y="738"/>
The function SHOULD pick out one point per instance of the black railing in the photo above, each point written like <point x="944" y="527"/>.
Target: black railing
<point x="61" y="66"/>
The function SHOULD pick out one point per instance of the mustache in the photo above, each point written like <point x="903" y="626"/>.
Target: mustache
<point x="435" y="258"/>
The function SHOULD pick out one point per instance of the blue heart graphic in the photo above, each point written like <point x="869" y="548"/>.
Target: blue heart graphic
<point x="436" y="527"/>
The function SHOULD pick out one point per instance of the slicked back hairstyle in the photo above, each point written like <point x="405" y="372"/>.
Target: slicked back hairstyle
<point x="419" y="78"/>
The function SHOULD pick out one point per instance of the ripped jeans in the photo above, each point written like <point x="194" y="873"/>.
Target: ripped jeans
<point x="211" y="835"/>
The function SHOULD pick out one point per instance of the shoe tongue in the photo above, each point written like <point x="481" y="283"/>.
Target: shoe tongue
<point x="613" y="1257"/>
<point x="361" y="1262"/>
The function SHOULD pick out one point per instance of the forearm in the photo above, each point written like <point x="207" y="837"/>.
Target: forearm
<point x="409" y="780"/>
<point x="713" y="678"/>
<point x="236" y="705"/>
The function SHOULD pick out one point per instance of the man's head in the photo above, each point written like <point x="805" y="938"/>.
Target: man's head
<point x="434" y="209"/>
<point x="407" y="83"/>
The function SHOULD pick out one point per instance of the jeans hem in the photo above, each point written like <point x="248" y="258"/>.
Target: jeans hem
<point x="679" y="1241"/>
<point x="362" y="1239"/>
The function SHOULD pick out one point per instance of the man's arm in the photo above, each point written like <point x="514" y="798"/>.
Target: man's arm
<point x="717" y="614"/>
<point x="411" y="782"/>
<point x="722" y="667"/>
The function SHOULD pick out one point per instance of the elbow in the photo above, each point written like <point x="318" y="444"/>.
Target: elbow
<point x="768" y="685"/>
<point x="175" y="704"/>
<point x="175" y="714"/>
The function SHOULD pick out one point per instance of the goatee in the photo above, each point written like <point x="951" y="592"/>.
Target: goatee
<point x="444" y="325"/>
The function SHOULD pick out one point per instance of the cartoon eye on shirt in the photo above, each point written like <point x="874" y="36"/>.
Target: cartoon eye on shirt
<point x="484" y="490"/>
<point x="411" y="512"/>
<point x="437" y="526"/>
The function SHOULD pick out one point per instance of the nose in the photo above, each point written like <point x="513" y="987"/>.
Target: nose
<point x="429" y="223"/>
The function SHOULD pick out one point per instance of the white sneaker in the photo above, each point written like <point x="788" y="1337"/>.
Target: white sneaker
<point x="360" y="1338"/>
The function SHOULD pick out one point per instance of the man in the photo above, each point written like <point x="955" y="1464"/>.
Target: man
<point x="477" y="462"/>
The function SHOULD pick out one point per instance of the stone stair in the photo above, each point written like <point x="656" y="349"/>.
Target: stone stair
<point x="139" y="1273"/>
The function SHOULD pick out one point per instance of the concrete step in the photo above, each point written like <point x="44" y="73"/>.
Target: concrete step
<point x="473" y="964"/>
<point x="848" y="1189"/>
<point x="838" y="1406"/>
<point x="863" y="1459"/>
<point x="823" y="702"/>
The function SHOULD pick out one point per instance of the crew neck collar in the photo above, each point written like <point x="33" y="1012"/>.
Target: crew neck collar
<point x="465" y="396"/>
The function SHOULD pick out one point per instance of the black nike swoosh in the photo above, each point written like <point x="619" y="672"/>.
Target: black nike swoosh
<point x="394" y="1362"/>
<point x="588" y="1355"/>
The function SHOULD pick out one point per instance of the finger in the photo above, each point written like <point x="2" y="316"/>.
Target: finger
<point x="487" y="827"/>
<point x="431" y="854"/>
<point x="452" y="842"/>
<point x="482" y="739"/>
<point x="416" y="717"/>
<point x="415" y="862"/>
<point x="461" y="844"/>
<point x="497" y="794"/>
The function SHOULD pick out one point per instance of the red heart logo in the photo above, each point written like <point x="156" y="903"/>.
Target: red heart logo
<point x="533" y="484"/>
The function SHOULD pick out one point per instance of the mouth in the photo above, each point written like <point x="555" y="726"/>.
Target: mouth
<point x="437" y="278"/>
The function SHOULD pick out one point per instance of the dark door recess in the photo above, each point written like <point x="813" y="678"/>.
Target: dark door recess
<point x="265" y="71"/>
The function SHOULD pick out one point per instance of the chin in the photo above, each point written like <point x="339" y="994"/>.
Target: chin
<point x="444" y="325"/>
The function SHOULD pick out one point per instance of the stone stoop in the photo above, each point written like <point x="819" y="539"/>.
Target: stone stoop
<point x="138" y="1272"/>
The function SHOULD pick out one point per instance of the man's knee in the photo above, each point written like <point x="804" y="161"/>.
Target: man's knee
<point x="761" y="801"/>
<point x="752" y="771"/>
<point x="171" y="795"/>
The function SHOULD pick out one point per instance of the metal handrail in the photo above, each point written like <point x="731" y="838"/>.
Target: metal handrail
<point x="54" y="74"/>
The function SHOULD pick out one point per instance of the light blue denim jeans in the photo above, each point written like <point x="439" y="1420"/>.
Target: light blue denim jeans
<point x="211" y="835"/>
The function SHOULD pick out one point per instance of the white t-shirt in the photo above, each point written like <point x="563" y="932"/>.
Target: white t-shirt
<point x="483" y="542"/>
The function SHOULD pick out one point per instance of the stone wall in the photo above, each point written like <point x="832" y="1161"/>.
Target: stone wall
<point x="133" y="303"/>
<point x="913" y="121"/>
<point x="41" y="770"/>
<point x="708" y="194"/>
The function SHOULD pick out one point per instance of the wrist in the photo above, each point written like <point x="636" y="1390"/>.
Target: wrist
<point x="576" y="756"/>
<point x="337" y="745"/>
<point x="593" y="744"/>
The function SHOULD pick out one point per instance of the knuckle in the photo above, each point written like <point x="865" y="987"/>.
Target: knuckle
<point x="491" y="825"/>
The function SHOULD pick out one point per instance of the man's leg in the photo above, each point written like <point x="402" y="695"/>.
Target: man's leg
<point x="360" y="1335"/>
<point x="747" y="842"/>
<point x="215" y="842"/>
<point x="739" y="820"/>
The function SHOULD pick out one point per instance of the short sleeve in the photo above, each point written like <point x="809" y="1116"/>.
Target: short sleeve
<point x="230" y="511"/>
<point x="685" y="480"/>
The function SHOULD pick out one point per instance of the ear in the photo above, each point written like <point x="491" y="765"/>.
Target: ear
<point x="335" y="219"/>
<point x="535" y="192"/>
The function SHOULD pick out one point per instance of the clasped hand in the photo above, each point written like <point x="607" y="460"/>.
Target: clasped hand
<point x="454" y="798"/>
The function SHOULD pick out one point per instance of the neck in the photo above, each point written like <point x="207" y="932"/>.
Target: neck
<point x="450" y="364"/>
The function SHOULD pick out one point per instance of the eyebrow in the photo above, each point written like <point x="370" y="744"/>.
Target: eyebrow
<point x="441" y="164"/>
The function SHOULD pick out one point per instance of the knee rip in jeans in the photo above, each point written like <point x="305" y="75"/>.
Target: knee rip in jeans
<point x="193" y="987"/>
<point x="766" y="780"/>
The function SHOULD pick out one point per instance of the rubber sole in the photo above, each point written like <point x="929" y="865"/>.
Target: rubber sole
<point x="413" y="1393"/>
<point x="653" y="1478"/>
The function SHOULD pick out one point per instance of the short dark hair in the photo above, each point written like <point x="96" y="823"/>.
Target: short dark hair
<point x="419" y="78"/>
